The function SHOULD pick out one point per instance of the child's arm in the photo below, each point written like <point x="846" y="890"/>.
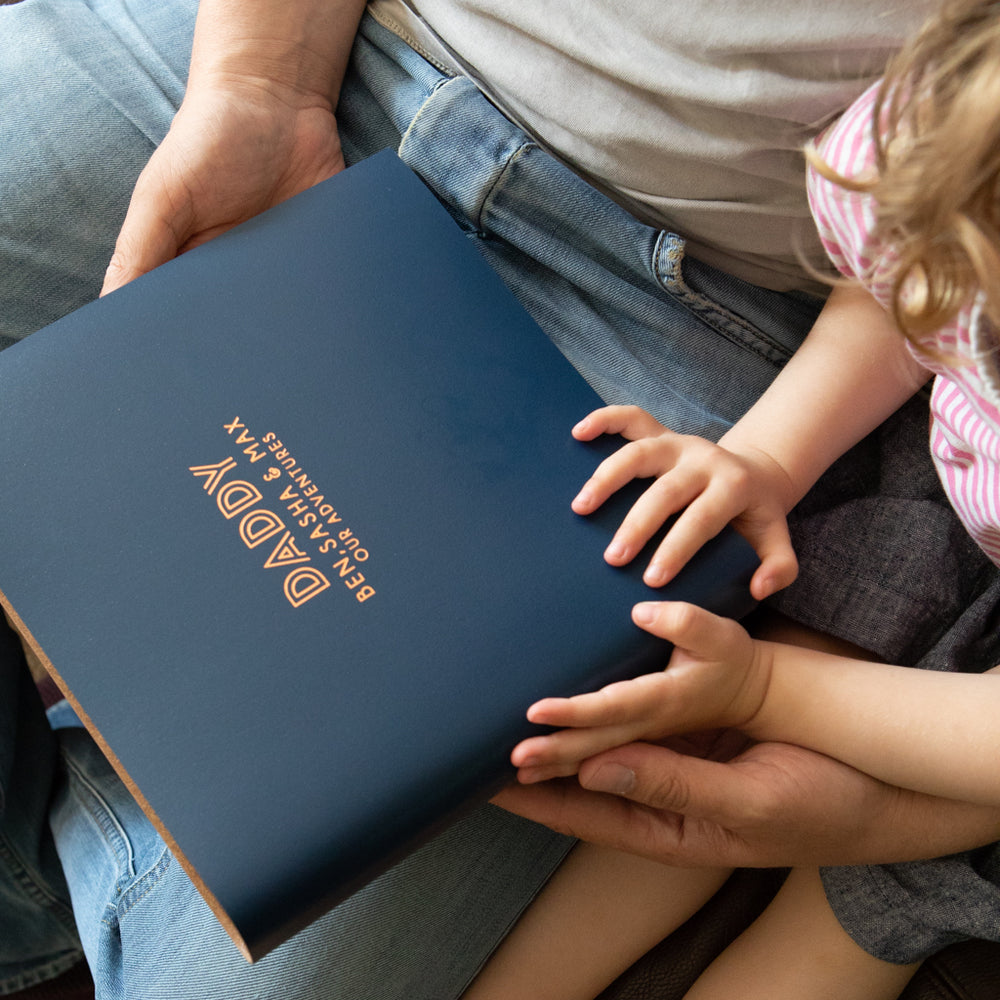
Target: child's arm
<point x="926" y="730"/>
<point x="937" y="733"/>
<point x="852" y="372"/>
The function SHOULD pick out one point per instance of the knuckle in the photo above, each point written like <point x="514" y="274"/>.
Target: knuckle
<point x="666" y="791"/>
<point x="644" y="448"/>
<point x="119" y="271"/>
<point x="116" y="265"/>
<point x="699" y="446"/>
<point x="736" y="477"/>
<point x="702" y="520"/>
<point x="665" y="487"/>
<point x="649" y="833"/>
<point x="699" y="449"/>
<point x="683" y="616"/>
<point x="759" y="811"/>
<point x="607" y="470"/>
<point x="607" y="414"/>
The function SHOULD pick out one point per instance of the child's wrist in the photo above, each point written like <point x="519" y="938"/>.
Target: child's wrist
<point x="776" y="699"/>
<point x="780" y="480"/>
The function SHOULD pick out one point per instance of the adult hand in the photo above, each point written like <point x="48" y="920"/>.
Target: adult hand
<point x="235" y="148"/>
<point x="770" y="805"/>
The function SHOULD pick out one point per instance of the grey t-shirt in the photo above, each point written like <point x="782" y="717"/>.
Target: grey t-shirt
<point x="691" y="115"/>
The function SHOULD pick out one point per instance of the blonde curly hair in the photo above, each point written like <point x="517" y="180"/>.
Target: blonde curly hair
<point x="936" y="128"/>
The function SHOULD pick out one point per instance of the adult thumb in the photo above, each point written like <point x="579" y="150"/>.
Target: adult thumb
<point x="147" y="239"/>
<point x="664" y="779"/>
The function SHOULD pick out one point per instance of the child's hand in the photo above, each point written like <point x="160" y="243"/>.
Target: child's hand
<point x="717" y="677"/>
<point x="711" y="485"/>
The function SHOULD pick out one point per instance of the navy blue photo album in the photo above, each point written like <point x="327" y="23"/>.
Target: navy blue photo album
<point x="288" y="520"/>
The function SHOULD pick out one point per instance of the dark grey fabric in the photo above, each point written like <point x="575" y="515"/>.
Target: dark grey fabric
<point x="906" y="912"/>
<point x="886" y="564"/>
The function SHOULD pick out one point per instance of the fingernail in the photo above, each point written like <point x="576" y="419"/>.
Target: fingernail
<point x="644" y="613"/>
<point x="655" y="575"/>
<point x="616" y="551"/>
<point x="615" y="779"/>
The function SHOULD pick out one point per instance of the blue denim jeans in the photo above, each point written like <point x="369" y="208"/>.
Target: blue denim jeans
<point x="37" y="934"/>
<point x="88" y="89"/>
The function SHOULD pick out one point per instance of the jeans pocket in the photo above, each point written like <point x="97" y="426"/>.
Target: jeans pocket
<point x="767" y="323"/>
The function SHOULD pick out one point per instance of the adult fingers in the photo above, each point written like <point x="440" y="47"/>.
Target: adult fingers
<point x="685" y="810"/>
<point x="623" y="820"/>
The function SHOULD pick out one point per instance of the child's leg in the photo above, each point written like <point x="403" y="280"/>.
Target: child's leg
<point x="796" y="950"/>
<point x="599" y="913"/>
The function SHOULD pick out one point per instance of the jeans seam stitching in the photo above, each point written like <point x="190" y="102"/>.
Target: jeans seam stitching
<point x="48" y="970"/>
<point x="32" y="885"/>
<point x="523" y="149"/>
<point x="144" y="885"/>
<point x="112" y="830"/>
<point x="444" y="81"/>
<point x="713" y="314"/>
<point x="738" y="331"/>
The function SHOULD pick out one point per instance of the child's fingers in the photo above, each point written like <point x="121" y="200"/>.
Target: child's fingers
<point x="778" y="564"/>
<point x="688" y="627"/>
<point x="615" y="704"/>
<point x="642" y="459"/>
<point x="561" y="711"/>
<point x="630" y="421"/>
<point x="707" y="513"/>
<point x="718" y="679"/>
<point x="589" y="723"/>
<point x="561" y="753"/>
<point x="766" y="530"/>
<point x="610" y="476"/>
<point x="667" y="495"/>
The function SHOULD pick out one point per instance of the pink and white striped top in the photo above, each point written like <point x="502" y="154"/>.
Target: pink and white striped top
<point x="965" y="400"/>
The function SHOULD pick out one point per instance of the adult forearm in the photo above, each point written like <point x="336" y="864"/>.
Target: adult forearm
<point x="773" y="805"/>
<point x="915" y="826"/>
<point x="302" y="45"/>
